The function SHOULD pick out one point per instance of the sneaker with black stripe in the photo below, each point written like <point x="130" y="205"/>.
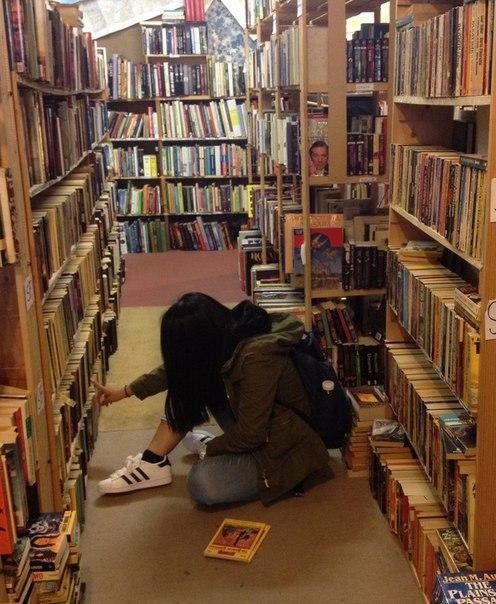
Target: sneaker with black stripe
<point x="137" y="474"/>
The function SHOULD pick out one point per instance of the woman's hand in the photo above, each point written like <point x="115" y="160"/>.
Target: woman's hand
<point x="106" y="395"/>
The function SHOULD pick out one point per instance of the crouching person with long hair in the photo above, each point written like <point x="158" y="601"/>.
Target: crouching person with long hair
<point x="234" y="365"/>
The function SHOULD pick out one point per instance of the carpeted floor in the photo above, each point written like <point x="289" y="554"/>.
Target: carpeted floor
<point x="332" y="545"/>
<point x="159" y="279"/>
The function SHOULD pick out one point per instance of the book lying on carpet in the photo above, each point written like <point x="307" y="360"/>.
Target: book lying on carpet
<point x="237" y="540"/>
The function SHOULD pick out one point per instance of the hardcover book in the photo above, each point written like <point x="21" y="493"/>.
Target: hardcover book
<point x="237" y="540"/>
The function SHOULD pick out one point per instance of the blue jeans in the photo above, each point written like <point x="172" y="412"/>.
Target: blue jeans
<point x="222" y="479"/>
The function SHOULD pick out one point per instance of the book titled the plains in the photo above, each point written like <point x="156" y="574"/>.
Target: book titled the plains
<point x="237" y="540"/>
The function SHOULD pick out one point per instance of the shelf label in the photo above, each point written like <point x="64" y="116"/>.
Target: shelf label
<point x="490" y="320"/>
<point x="40" y="398"/>
<point x="29" y="291"/>
<point x="492" y="214"/>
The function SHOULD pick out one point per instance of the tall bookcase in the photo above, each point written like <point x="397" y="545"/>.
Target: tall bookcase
<point x="427" y="113"/>
<point x="215" y="163"/>
<point x="298" y="96"/>
<point x="60" y="299"/>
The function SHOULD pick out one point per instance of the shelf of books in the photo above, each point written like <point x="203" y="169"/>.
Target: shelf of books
<point x="321" y="208"/>
<point x="179" y="133"/>
<point x="60" y="285"/>
<point x="440" y="349"/>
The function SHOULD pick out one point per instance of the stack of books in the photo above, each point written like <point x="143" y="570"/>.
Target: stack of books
<point x="367" y="54"/>
<point x="368" y="404"/>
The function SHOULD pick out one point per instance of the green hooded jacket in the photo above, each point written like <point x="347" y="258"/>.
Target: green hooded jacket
<point x="259" y="375"/>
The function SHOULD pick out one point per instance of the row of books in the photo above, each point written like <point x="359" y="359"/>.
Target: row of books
<point x="275" y="62"/>
<point x="444" y="190"/>
<point x="225" y="118"/>
<point x="9" y="244"/>
<point x="257" y="10"/>
<point x="194" y="10"/>
<point x="174" y="39"/>
<point x="133" y="161"/>
<point x="416" y="516"/>
<point x="226" y="159"/>
<point x="421" y="293"/>
<point x="277" y="137"/>
<point x="202" y="235"/>
<point x="128" y="80"/>
<point x="143" y="236"/>
<point x="44" y="45"/>
<point x="366" y="154"/>
<point x="139" y="200"/>
<point x="445" y="55"/>
<point x="225" y="198"/>
<point x="367" y="54"/>
<point x="359" y="364"/>
<point x="439" y="428"/>
<point x="70" y="301"/>
<point x="134" y="125"/>
<point x="59" y="131"/>
<point x="63" y="215"/>
<point x="226" y="78"/>
<point x="217" y="119"/>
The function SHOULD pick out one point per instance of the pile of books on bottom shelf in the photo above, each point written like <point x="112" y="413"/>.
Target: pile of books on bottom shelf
<point x="46" y="559"/>
<point x="368" y="405"/>
<point x="416" y="515"/>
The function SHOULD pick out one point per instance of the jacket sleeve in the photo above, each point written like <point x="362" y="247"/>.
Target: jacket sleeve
<point x="150" y="383"/>
<point x="255" y="400"/>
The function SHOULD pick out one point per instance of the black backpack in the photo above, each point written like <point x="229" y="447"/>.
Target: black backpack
<point x="331" y="415"/>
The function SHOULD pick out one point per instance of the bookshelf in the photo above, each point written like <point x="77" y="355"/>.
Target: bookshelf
<point x="297" y="97"/>
<point x="195" y="139"/>
<point x="61" y="243"/>
<point x="425" y="112"/>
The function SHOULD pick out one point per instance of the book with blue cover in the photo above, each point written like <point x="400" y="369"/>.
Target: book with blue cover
<point x="466" y="588"/>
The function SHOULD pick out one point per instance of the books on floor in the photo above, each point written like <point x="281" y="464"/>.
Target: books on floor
<point x="237" y="540"/>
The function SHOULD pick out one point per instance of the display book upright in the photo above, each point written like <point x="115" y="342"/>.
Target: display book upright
<point x="63" y="230"/>
<point x="288" y="71"/>
<point x="439" y="336"/>
<point x="187" y="185"/>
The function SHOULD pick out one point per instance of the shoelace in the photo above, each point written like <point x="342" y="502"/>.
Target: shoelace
<point x="132" y="462"/>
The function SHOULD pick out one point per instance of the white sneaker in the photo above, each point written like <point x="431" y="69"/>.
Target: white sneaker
<point x="136" y="474"/>
<point x="196" y="440"/>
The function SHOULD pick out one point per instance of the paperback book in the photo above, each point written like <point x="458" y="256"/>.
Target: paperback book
<point x="237" y="540"/>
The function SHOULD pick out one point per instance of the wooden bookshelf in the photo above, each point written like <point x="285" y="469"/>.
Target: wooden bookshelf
<point x="162" y="142"/>
<point x="428" y="121"/>
<point x="25" y="357"/>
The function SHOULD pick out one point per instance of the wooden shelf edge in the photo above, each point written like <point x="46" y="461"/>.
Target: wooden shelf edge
<point x="436" y="236"/>
<point x="444" y="101"/>
<point x="347" y="293"/>
<point x="39" y="188"/>
<point x="46" y="88"/>
<point x="194" y="97"/>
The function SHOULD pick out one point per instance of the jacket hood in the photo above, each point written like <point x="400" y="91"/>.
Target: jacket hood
<point x="285" y="333"/>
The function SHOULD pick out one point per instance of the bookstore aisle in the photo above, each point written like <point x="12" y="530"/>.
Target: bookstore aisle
<point x="331" y="545"/>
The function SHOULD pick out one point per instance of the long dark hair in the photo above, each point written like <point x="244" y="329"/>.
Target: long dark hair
<point x="198" y="335"/>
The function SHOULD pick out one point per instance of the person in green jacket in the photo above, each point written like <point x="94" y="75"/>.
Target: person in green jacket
<point x="235" y="365"/>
